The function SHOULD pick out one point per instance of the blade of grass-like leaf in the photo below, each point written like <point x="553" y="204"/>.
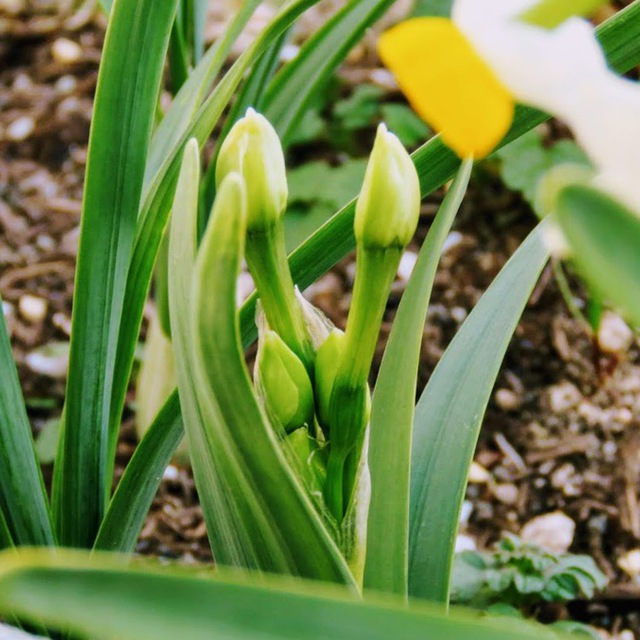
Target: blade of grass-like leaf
<point x="139" y="484"/>
<point x="123" y="117"/>
<point x="449" y="416"/>
<point x="186" y="103"/>
<point x="155" y="211"/>
<point x="99" y="598"/>
<point x="392" y="410"/>
<point x="169" y="133"/>
<point x="6" y="541"/>
<point x="605" y="245"/>
<point x="435" y="163"/>
<point x="293" y="87"/>
<point x="24" y="509"/>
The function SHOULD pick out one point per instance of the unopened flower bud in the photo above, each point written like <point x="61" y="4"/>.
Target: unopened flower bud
<point x="284" y="383"/>
<point x="253" y="149"/>
<point x="327" y="362"/>
<point x="388" y="207"/>
<point x="307" y="458"/>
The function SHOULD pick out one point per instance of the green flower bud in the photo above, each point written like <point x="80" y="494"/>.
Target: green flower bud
<point x="388" y="207"/>
<point x="328" y="359"/>
<point x="253" y="149"/>
<point x="284" y="383"/>
<point x="307" y="458"/>
<point x="555" y="180"/>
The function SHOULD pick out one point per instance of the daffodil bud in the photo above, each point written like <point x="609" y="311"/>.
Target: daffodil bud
<point x="327" y="362"/>
<point x="253" y="149"/>
<point x="388" y="207"/>
<point x="307" y="458"/>
<point x="283" y="382"/>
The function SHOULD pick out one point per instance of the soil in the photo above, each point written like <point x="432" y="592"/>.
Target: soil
<point x="562" y="433"/>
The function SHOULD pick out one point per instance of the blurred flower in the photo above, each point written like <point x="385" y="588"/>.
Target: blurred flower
<point x="463" y="75"/>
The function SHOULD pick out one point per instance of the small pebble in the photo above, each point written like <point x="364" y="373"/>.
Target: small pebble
<point x="554" y="531"/>
<point x="51" y="361"/>
<point x="506" y="493"/>
<point x="478" y="474"/>
<point x="20" y="129"/>
<point x="33" y="308"/>
<point x="454" y="239"/>
<point x="459" y="314"/>
<point x="465" y="512"/>
<point x="66" y="51"/>
<point x="171" y="474"/>
<point x="13" y="7"/>
<point x="507" y="400"/>
<point x="289" y="52"/>
<point x="630" y="563"/>
<point x="562" y="475"/>
<point x="407" y="263"/>
<point x="65" y="84"/>
<point x="465" y="543"/>
<point x="244" y="287"/>
<point x="563" y="396"/>
<point x="614" y="336"/>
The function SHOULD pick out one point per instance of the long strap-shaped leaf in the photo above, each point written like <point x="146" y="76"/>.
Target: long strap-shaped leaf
<point x="123" y="116"/>
<point x="449" y="416"/>
<point x="294" y="86"/>
<point x="155" y="210"/>
<point x="167" y="136"/>
<point x="605" y="240"/>
<point x="100" y="598"/>
<point x="435" y="164"/>
<point x="257" y="514"/>
<point x="24" y="509"/>
<point x="392" y="411"/>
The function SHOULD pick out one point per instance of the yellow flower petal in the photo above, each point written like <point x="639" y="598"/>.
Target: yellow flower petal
<point x="448" y="84"/>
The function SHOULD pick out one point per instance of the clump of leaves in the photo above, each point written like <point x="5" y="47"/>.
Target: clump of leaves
<point x="520" y="574"/>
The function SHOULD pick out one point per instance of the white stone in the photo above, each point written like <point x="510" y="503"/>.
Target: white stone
<point x="563" y="396"/>
<point x="614" y="336"/>
<point x="507" y="400"/>
<point x="407" y="264"/>
<point x="553" y="531"/>
<point x="20" y="129"/>
<point x="630" y="563"/>
<point x="465" y="543"/>
<point x="506" y="493"/>
<point x="51" y="360"/>
<point x="454" y="239"/>
<point x="33" y="308"/>
<point x="478" y="474"/>
<point x="171" y="474"/>
<point x="65" y="84"/>
<point x="66" y="51"/>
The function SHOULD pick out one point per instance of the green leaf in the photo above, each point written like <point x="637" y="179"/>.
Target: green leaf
<point x="100" y="598"/>
<point x="123" y="116"/>
<point x="155" y="211"/>
<point x="433" y="8"/>
<point x="24" y="509"/>
<point x="527" y="159"/>
<point x="257" y="514"/>
<point x="449" y="416"/>
<point x="139" y="484"/>
<point x="392" y="410"/>
<point x="404" y="122"/>
<point x="292" y="90"/>
<point x="604" y="237"/>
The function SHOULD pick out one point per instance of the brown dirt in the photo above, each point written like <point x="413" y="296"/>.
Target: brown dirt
<point x="562" y="430"/>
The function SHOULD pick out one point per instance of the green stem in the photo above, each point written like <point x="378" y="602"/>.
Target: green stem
<point x="349" y="411"/>
<point x="267" y="259"/>
<point x="334" y="485"/>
